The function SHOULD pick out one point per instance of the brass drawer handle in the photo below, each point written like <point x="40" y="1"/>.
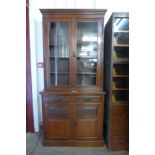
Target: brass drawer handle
<point x="73" y="91"/>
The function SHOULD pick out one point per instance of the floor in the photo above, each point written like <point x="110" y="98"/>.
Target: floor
<point x="34" y="147"/>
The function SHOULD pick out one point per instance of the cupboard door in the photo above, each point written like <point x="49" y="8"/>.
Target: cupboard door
<point x="59" y="53"/>
<point x="86" y="123"/>
<point x="56" y="121"/>
<point x="87" y="52"/>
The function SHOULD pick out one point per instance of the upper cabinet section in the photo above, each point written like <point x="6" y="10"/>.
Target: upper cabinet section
<point x="73" y="48"/>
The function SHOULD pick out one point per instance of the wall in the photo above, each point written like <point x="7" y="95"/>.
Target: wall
<point x="36" y="41"/>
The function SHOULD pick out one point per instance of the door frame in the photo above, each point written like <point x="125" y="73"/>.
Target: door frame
<point x="29" y="106"/>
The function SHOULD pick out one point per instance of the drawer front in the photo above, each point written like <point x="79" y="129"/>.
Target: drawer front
<point x="88" y="99"/>
<point x="56" y="99"/>
<point x="86" y="112"/>
<point x="55" y="112"/>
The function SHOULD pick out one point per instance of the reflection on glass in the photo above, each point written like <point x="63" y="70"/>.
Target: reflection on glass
<point x="87" y="47"/>
<point x="59" y="39"/>
<point x="120" y="95"/>
<point x="121" y="24"/>
<point x="86" y="65"/>
<point x="59" y="52"/>
<point x="120" y="69"/>
<point x="87" y="39"/>
<point x="121" y="38"/>
<point x="121" y="52"/>
<point x="86" y="79"/>
<point x="121" y="82"/>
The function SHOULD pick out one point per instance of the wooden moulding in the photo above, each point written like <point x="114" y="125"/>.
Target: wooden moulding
<point x="73" y="11"/>
<point x="77" y="143"/>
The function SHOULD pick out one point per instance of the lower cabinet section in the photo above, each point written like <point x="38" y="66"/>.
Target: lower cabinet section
<point x="119" y="128"/>
<point x="72" y="120"/>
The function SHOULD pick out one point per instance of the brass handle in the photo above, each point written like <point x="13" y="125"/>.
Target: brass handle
<point x="73" y="91"/>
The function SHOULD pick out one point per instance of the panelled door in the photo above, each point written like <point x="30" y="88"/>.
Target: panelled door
<point x="87" y="122"/>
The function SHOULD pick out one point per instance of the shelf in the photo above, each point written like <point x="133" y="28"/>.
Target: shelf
<point x="86" y="57"/>
<point x="121" y="45"/>
<point x="120" y="95"/>
<point x="120" y="88"/>
<point x="120" y="102"/>
<point x="114" y="100"/>
<point x="121" y="31"/>
<point x="86" y="73"/>
<point x="54" y="45"/>
<point x="121" y="61"/>
<point x="120" y="69"/>
<point x="59" y="72"/>
<point x="120" y="76"/>
<point x="59" y="57"/>
<point x="81" y="42"/>
<point x="120" y="53"/>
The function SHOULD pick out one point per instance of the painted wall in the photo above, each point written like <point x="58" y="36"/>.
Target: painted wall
<point x="36" y="39"/>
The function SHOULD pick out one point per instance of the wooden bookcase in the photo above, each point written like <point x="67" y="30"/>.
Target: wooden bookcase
<point x="73" y="98"/>
<point x="116" y="79"/>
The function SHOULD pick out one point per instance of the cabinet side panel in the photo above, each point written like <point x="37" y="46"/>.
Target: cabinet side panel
<point x="107" y="79"/>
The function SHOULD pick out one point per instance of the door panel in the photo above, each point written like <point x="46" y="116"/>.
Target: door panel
<point x="86" y="128"/>
<point x="85" y="124"/>
<point x="58" y="128"/>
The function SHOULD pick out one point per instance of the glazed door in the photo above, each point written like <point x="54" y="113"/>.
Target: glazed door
<point x="88" y="52"/>
<point x="58" y="52"/>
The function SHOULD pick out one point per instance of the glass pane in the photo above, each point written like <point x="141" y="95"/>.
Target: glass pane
<point x="121" y="38"/>
<point x="120" y="69"/>
<point x="57" y="112"/>
<point x="87" y="48"/>
<point x="121" y="31"/>
<point x="120" y="82"/>
<point x="121" y="24"/>
<point x="59" y="48"/>
<point x="120" y="95"/>
<point x="120" y="52"/>
<point x="86" y="112"/>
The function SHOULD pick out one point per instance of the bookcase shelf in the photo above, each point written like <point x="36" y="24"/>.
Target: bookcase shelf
<point x="121" y="61"/>
<point x="116" y="77"/>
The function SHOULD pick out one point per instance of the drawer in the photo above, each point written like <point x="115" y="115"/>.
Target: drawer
<point x="88" y="99"/>
<point x="57" y="99"/>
